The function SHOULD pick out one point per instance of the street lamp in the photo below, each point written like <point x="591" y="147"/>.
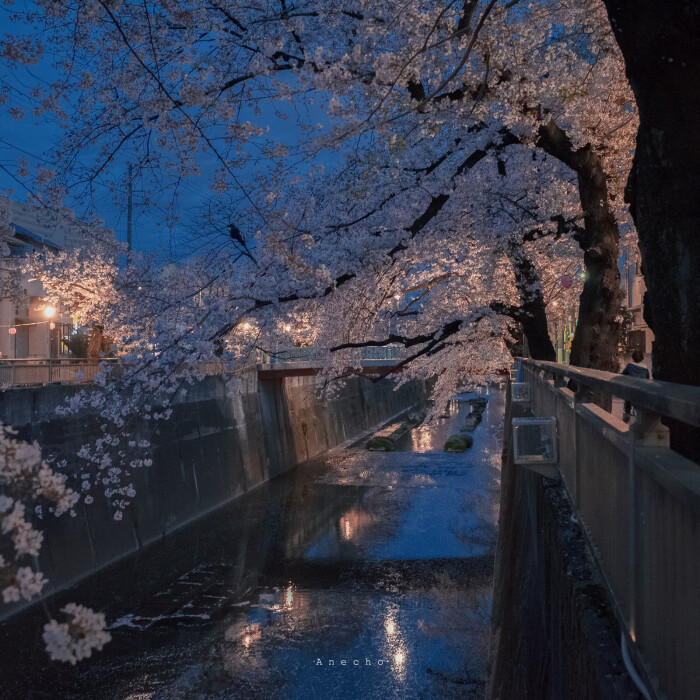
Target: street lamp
<point x="49" y="311"/>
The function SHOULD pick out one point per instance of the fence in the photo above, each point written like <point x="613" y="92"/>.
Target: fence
<point x="389" y="354"/>
<point x="27" y="372"/>
<point x="639" y="504"/>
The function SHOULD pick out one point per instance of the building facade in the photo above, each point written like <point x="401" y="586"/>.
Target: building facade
<point x="29" y="326"/>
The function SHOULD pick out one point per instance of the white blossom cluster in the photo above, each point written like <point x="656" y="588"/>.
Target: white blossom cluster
<point x="19" y="583"/>
<point x="30" y="480"/>
<point x="75" y="639"/>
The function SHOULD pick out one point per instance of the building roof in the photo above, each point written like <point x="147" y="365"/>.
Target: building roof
<point x="38" y="227"/>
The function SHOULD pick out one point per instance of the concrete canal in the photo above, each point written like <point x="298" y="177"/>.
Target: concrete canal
<point x="355" y="575"/>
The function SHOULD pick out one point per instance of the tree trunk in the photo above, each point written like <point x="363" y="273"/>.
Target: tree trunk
<point x="598" y="331"/>
<point x="660" y="42"/>
<point x="532" y="313"/>
<point x="94" y="346"/>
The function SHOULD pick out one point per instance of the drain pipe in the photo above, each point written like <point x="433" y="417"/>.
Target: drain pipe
<point x="631" y="669"/>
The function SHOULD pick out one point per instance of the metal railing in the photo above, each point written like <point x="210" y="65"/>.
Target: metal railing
<point x="29" y="371"/>
<point x="37" y="371"/>
<point x="639" y="504"/>
<point x="310" y="354"/>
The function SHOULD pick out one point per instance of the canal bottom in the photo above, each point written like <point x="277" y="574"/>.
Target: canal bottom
<point x="356" y="575"/>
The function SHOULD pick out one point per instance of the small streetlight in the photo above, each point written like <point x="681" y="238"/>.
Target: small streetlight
<point x="49" y="311"/>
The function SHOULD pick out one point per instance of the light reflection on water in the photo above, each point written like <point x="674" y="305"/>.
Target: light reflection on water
<point x="422" y="439"/>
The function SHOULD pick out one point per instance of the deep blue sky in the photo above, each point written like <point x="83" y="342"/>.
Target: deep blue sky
<point x="33" y="138"/>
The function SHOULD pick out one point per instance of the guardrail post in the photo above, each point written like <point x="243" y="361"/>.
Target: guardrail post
<point x="646" y="430"/>
<point x="582" y="394"/>
<point x="649" y="431"/>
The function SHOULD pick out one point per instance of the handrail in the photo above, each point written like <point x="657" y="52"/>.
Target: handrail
<point x="33" y="371"/>
<point x="35" y="361"/>
<point x="311" y="353"/>
<point x="677" y="401"/>
<point x="638" y="502"/>
<point x="28" y="371"/>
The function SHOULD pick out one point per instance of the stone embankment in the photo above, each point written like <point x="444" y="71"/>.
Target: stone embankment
<point x="215" y="447"/>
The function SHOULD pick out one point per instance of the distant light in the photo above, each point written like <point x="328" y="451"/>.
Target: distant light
<point x="246" y="640"/>
<point x="12" y="331"/>
<point x="398" y="658"/>
<point x="49" y="311"/>
<point x="52" y="325"/>
<point x="287" y="327"/>
<point x="390" y="627"/>
<point x="555" y="303"/>
<point x="246" y="326"/>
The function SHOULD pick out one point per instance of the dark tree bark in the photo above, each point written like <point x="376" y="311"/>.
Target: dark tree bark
<point x="532" y="313"/>
<point x="660" y="42"/>
<point x="95" y="342"/>
<point x="597" y="337"/>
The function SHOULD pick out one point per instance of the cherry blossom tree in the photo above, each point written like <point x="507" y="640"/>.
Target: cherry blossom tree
<point x="159" y="83"/>
<point x="470" y="154"/>
<point x="468" y="132"/>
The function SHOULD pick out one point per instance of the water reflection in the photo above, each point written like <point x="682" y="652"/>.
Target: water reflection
<point x="395" y="645"/>
<point x="422" y="439"/>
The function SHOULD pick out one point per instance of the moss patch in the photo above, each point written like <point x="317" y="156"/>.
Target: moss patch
<point x="458" y="443"/>
<point x="380" y="444"/>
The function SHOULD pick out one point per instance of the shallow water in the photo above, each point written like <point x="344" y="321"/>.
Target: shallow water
<point x="379" y="560"/>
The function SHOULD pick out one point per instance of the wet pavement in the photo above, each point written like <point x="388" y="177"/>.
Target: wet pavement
<point x="357" y="575"/>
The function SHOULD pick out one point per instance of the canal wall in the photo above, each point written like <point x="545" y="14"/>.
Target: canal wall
<point x="216" y="446"/>
<point x="554" y="634"/>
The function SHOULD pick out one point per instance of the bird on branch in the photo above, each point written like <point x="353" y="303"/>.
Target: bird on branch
<point x="236" y="235"/>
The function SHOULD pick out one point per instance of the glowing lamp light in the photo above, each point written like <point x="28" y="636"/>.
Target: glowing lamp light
<point x="49" y="311"/>
<point x="246" y="326"/>
<point x="555" y="303"/>
<point x="12" y="331"/>
<point x="287" y="327"/>
<point x="52" y="325"/>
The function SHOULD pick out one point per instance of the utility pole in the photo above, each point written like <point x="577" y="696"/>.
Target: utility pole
<point x="130" y="211"/>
